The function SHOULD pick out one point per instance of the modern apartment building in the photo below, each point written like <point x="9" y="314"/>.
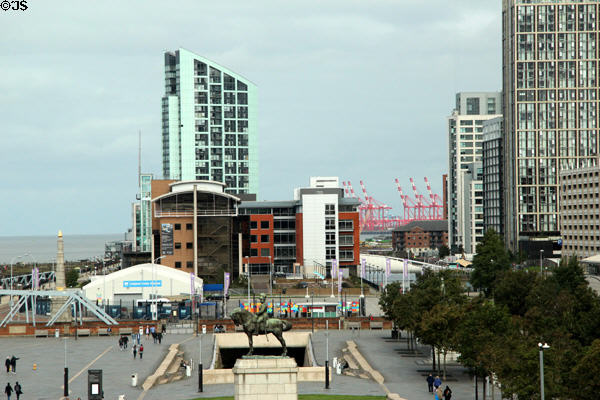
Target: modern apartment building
<point x="306" y="234"/>
<point x="493" y="216"/>
<point x="465" y="137"/>
<point x="209" y="123"/>
<point x="580" y="212"/>
<point x="550" y="107"/>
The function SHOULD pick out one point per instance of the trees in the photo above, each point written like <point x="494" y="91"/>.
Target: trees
<point x="443" y="251"/>
<point x="490" y="260"/>
<point x="71" y="277"/>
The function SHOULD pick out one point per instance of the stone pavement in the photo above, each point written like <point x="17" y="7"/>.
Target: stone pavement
<point x="401" y="374"/>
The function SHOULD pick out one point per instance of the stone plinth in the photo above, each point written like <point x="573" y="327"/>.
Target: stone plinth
<point x="266" y="378"/>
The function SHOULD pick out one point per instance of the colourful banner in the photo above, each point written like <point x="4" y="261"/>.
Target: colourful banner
<point x="192" y="286"/>
<point x="226" y="284"/>
<point x="334" y="269"/>
<point x="388" y="267"/>
<point x="339" y="283"/>
<point x="362" y="267"/>
<point x="405" y="268"/>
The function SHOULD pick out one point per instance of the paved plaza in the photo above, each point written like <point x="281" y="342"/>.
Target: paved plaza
<point x="402" y="374"/>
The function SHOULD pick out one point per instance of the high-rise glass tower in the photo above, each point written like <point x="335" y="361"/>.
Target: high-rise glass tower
<point x="209" y="123"/>
<point x="550" y="107"/>
<point x="465" y="185"/>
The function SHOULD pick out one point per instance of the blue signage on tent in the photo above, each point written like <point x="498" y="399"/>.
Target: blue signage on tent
<point x="154" y="283"/>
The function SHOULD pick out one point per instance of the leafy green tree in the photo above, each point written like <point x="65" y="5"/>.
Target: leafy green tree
<point x="490" y="260"/>
<point x="482" y="327"/>
<point x="443" y="251"/>
<point x="586" y="372"/>
<point x="71" y="277"/>
<point x="512" y="288"/>
<point x="438" y="327"/>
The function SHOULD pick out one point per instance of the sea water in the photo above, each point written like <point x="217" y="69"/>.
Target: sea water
<point x="43" y="248"/>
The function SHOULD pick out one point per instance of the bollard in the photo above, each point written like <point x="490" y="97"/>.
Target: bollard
<point x="66" y="383"/>
<point x="200" y="388"/>
<point x="326" y="374"/>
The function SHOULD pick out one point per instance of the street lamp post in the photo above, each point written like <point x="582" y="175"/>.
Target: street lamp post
<point x="153" y="285"/>
<point x="11" y="276"/>
<point x="541" y="266"/>
<point x="542" y="347"/>
<point x="270" y="276"/>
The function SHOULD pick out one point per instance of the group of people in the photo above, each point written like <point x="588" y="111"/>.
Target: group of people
<point x="135" y="350"/>
<point x="435" y="386"/>
<point x="11" y="366"/>
<point x="8" y="390"/>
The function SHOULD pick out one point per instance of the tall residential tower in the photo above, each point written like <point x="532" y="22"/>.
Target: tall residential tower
<point x="550" y="107"/>
<point x="209" y="123"/>
<point x="465" y="185"/>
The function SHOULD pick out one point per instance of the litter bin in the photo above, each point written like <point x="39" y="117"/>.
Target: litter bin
<point x="56" y="333"/>
<point x="134" y="379"/>
<point x="188" y="371"/>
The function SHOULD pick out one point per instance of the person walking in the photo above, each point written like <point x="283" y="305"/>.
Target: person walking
<point x="447" y="393"/>
<point x="159" y="337"/>
<point x="125" y="341"/>
<point x="430" y="383"/>
<point x="438" y="393"/>
<point x="147" y="332"/>
<point x="8" y="390"/>
<point x="18" y="390"/>
<point x="13" y="364"/>
<point x="437" y="382"/>
<point x="141" y="351"/>
<point x="134" y="350"/>
<point x="7" y="363"/>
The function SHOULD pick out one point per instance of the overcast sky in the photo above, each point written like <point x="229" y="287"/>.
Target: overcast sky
<point x="355" y="89"/>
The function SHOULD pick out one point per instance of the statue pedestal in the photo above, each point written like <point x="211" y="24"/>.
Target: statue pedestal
<point x="265" y="378"/>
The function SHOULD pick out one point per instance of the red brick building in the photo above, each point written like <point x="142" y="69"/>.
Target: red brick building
<point x="418" y="237"/>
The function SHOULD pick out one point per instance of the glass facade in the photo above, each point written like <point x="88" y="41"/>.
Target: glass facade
<point x="465" y="191"/>
<point x="550" y="107"/>
<point x="209" y="123"/>
<point x="492" y="175"/>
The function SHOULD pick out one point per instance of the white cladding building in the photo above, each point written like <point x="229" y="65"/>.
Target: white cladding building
<point x="143" y="281"/>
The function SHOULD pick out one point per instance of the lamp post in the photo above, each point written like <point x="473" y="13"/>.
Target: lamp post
<point x="248" y="276"/>
<point x="11" y="276"/>
<point x="153" y="285"/>
<point x="542" y="347"/>
<point x="270" y="276"/>
<point x="541" y="266"/>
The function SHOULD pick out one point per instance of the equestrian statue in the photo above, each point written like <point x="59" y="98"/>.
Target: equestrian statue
<point x="260" y="324"/>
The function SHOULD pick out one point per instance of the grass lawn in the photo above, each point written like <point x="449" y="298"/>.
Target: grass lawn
<point x="312" y="397"/>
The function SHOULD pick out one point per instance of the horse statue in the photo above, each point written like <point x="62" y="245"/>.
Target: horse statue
<point x="271" y="325"/>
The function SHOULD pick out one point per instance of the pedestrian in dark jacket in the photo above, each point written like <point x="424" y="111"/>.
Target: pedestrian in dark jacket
<point x="134" y="350"/>
<point x="8" y="390"/>
<point x="13" y="364"/>
<point x="447" y="393"/>
<point x="18" y="390"/>
<point x="7" y="363"/>
<point x="430" y="383"/>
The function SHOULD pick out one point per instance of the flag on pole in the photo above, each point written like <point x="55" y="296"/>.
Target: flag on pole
<point x="192" y="286"/>
<point x="388" y="267"/>
<point x="334" y="269"/>
<point x="405" y="269"/>
<point x="362" y="267"/>
<point x="339" y="276"/>
<point x="226" y="284"/>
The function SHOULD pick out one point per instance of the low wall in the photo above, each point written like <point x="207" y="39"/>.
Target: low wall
<point x="70" y="329"/>
<point x="302" y="323"/>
